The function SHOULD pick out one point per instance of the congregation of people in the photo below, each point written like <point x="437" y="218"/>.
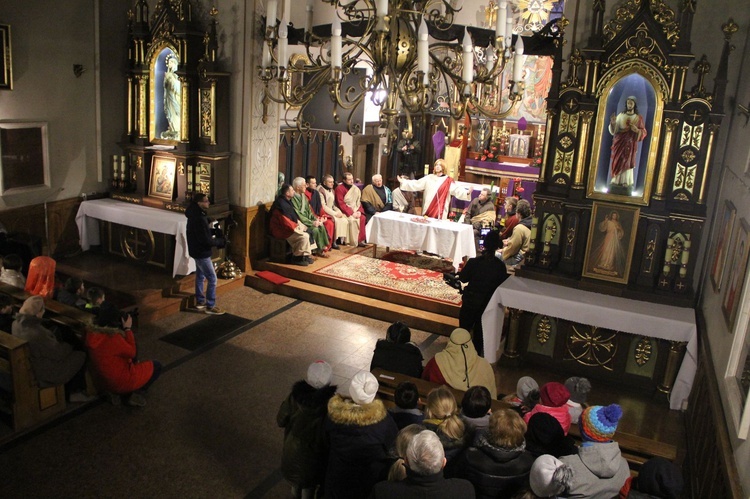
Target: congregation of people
<point x="359" y="444"/>
<point x="99" y="356"/>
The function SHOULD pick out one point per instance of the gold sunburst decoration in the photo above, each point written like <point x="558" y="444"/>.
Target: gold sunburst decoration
<point x="535" y="13"/>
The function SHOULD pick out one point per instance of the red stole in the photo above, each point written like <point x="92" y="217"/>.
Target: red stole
<point x="437" y="206"/>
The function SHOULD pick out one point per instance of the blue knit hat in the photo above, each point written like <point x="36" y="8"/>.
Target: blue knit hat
<point x="598" y="423"/>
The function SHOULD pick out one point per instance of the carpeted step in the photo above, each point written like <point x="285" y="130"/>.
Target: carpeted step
<point x="357" y="304"/>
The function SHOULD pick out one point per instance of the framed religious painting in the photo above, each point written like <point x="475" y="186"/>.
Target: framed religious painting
<point x="737" y="376"/>
<point x="626" y="135"/>
<point x="162" y="177"/>
<point x="726" y="224"/>
<point x="735" y="279"/>
<point x="609" y="247"/>
<point x="24" y="157"/>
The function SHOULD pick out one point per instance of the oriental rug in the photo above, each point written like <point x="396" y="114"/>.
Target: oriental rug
<point x="391" y="275"/>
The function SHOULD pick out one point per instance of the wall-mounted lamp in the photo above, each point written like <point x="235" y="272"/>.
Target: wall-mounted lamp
<point x="78" y="70"/>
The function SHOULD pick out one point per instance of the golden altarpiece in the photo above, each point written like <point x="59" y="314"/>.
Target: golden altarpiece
<point x="620" y="203"/>
<point x="177" y="138"/>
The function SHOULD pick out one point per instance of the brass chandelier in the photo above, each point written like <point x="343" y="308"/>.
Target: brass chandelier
<point x="459" y="71"/>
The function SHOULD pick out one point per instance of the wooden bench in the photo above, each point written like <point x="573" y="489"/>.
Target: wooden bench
<point x="636" y="449"/>
<point x="28" y="403"/>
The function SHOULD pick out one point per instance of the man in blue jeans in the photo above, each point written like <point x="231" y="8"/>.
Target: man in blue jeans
<point x="201" y="242"/>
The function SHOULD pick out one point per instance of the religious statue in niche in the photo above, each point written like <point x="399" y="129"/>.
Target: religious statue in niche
<point x="627" y="131"/>
<point x="171" y="96"/>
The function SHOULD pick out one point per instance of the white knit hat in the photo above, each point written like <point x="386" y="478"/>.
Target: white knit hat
<point x="319" y="374"/>
<point x="363" y="388"/>
<point x="549" y="476"/>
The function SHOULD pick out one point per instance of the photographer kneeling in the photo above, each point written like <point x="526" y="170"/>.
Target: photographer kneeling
<point x="483" y="275"/>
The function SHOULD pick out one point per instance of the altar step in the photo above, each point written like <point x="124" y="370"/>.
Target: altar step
<point x="128" y="285"/>
<point x="382" y="304"/>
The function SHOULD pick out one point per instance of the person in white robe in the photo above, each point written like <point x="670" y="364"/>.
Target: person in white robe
<point x="438" y="189"/>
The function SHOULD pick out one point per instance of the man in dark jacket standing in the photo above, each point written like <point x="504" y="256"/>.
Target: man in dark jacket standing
<point x="200" y="245"/>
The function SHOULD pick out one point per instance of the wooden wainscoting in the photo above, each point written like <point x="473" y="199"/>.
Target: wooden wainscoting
<point x="60" y="220"/>
<point x="248" y="238"/>
<point x="710" y="469"/>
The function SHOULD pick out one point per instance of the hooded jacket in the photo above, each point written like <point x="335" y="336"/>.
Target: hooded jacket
<point x="359" y="437"/>
<point x="199" y="239"/>
<point x="404" y="358"/>
<point x="305" y="450"/>
<point x="112" y="352"/>
<point x="494" y="471"/>
<point x="599" y="471"/>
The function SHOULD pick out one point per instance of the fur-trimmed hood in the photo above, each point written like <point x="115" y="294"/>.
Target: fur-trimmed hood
<point x="344" y="411"/>
<point x="307" y="396"/>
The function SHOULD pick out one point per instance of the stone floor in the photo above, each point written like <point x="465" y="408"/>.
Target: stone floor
<point x="209" y="429"/>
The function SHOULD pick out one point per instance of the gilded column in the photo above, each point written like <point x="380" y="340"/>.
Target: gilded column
<point x="511" y="345"/>
<point x="661" y="182"/>
<point x="676" y="348"/>
<point x="582" y="148"/>
<point x="142" y="101"/>
<point x="550" y="115"/>
<point x="709" y="153"/>
<point x="185" y="109"/>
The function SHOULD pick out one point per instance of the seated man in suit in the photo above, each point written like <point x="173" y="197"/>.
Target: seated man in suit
<point x="376" y="197"/>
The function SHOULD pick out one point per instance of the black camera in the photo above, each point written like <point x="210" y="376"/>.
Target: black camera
<point x="452" y="280"/>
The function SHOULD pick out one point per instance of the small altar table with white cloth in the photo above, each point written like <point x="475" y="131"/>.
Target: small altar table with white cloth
<point x="594" y="309"/>
<point x="394" y="229"/>
<point x="140" y="217"/>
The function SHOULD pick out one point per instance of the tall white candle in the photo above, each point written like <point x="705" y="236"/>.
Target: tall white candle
<point x="265" y="59"/>
<point x="468" y="55"/>
<point x="271" y="14"/>
<point x="336" y="44"/>
<point x="508" y="26"/>
<point x="309" y="17"/>
<point x="518" y="60"/>
<point x="502" y="19"/>
<point x="283" y="43"/>
<point x="381" y="8"/>
<point x="423" y="52"/>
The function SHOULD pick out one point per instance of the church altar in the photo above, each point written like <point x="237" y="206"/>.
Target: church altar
<point x="139" y="217"/>
<point x="648" y="319"/>
<point x="400" y="230"/>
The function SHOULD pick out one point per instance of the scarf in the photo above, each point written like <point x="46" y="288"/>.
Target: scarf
<point x="286" y="208"/>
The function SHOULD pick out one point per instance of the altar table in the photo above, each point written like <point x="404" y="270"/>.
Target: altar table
<point x="140" y="217"/>
<point x="611" y="312"/>
<point x="441" y="237"/>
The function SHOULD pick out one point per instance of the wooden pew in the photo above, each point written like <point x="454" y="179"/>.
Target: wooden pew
<point x="637" y="450"/>
<point x="29" y="404"/>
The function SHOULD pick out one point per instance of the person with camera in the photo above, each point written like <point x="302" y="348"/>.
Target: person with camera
<point x="483" y="275"/>
<point x="201" y="239"/>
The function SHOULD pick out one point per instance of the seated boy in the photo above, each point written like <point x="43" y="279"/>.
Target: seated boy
<point x="405" y="413"/>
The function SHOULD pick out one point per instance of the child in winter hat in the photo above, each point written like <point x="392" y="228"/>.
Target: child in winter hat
<point x="319" y="374"/>
<point x="549" y="476"/>
<point x="363" y="388"/>
<point x="598" y="423"/>
<point x="554" y="396"/>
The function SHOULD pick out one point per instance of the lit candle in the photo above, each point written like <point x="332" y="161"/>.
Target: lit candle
<point x="518" y="60"/>
<point x="283" y="43"/>
<point x="309" y="18"/>
<point x="270" y="14"/>
<point x="468" y="56"/>
<point x="423" y="51"/>
<point x="381" y="8"/>
<point x="426" y="169"/>
<point x="336" y="44"/>
<point x="502" y="19"/>
<point x="490" y="62"/>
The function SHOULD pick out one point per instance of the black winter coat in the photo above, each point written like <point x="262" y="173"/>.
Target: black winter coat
<point x="360" y="438"/>
<point x="199" y="238"/>
<point x="305" y="451"/>
<point x="426" y="487"/>
<point x="402" y="358"/>
<point x="494" y="471"/>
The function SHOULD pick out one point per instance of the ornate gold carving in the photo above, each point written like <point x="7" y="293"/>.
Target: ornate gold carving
<point x="592" y="348"/>
<point x="137" y="244"/>
<point x="180" y="168"/>
<point x="586" y="117"/>
<point x="566" y="142"/>
<point x="642" y="353"/>
<point x="563" y="162"/>
<point x="712" y="131"/>
<point x="639" y="45"/>
<point x="127" y="199"/>
<point x="661" y="12"/>
<point x="684" y="178"/>
<point x="651" y="73"/>
<point x="575" y="62"/>
<point x="206" y="117"/>
<point x="688" y="156"/>
<point x="661" y="183"/>
<point x="543" y="329"/>
<point x="561" y="181"/>
<point x="139" y="163"/>
<point x="701" y="68"/>
<point x="681" y="197"/>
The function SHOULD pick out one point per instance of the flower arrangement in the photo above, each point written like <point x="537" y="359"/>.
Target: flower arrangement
<point x="491" y="153"/>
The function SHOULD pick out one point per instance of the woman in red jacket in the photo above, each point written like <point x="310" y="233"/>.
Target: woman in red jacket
<point x="112" y="351"/>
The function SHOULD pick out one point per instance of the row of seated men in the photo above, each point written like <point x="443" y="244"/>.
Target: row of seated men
<point x="352" y="446"/>
<point x="104" y="344"/>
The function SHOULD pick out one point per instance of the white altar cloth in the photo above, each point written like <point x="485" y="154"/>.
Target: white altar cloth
<point x="611" y="312"/>
<point x="140" y="217"/>
<point x="397" y="230"/>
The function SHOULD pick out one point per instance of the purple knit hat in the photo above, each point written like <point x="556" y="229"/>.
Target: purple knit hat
<point x="599" y="423"/>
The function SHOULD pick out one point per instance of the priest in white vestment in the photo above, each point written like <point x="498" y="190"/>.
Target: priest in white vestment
<point x="438" y="189"/>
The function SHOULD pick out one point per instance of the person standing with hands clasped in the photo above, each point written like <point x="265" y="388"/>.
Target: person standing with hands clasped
<point x="201" y="239"/>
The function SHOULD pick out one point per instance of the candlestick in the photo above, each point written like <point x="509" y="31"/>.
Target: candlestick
<point x="468" y="59"/>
